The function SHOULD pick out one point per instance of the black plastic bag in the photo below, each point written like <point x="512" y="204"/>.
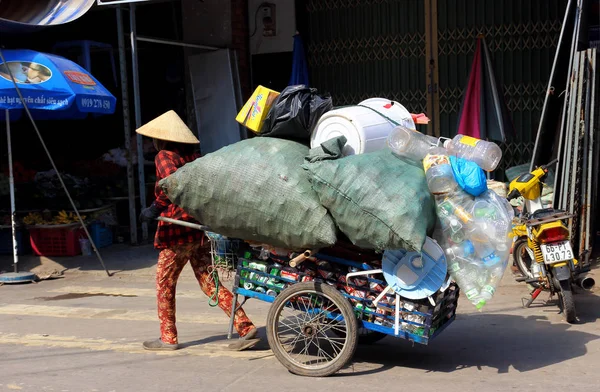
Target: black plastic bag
<point x="295" y="113"/>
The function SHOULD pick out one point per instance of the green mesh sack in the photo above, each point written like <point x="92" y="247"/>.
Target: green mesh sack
<point x="378" y="200"/>
<point x="255" y="190"/>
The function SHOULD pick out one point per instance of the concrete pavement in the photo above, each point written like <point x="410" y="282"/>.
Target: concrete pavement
<point x="84" y="332"/>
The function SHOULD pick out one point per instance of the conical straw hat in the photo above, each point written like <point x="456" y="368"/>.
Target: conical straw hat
<point x="169" y="127"/>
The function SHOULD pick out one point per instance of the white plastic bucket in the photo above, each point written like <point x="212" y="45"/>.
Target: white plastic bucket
<point x="365" y="129"/>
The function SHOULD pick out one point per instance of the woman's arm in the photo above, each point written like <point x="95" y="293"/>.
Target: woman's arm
<point x="165" y="166"/>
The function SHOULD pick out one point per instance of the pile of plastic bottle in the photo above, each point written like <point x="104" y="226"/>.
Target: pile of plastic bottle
<point x="472" y="229"/>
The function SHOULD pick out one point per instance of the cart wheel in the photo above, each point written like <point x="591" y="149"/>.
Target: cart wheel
<point x="300" y="329"/>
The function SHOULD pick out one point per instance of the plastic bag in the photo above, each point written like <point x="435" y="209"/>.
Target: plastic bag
<point x="295" y="113"/>
<point x="469" y="176"/>
<point x="474" y="234"/>
<point x="473" y="231"/>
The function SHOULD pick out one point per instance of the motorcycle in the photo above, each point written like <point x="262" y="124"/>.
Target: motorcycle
<point x="542" y="248"/>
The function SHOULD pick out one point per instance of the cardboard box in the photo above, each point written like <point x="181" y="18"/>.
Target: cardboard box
<point x="254" y="112"/>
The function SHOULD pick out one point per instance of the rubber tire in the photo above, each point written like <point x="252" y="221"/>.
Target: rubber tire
<point x="523" y="266"/>
<point x="350" y="321"/>
<point x="566" y="301"/>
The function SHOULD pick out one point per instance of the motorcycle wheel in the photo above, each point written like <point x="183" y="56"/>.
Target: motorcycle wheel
<point x="523" y="260"/>
<point x="566" y="301"/>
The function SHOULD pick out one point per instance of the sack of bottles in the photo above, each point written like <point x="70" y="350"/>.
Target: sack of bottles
<point x="473" y="231"/>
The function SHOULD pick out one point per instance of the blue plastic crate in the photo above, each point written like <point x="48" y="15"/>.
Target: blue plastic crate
<point x="101" y="235"/>
<point x="6" y="245"/>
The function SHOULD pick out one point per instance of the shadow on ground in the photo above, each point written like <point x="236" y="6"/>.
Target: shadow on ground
<point x="498" y="341"/>
<point x="476" y="340"/>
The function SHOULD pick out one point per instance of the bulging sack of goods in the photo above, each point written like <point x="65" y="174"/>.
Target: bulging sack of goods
<point x="474" y="231"/>
<point x="256" y="190"/>
<point x="376" y="199"/>
<point x="474" y="222"/>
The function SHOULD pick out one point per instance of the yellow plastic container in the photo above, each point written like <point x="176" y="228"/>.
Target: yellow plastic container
<point x="254" y="112"/>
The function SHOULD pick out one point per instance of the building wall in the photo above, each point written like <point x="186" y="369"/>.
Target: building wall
<point x="239" y="42"/>
<point x="207" y="22"/>
<point x="378" y="48"/>
<point x="219" y="23"/>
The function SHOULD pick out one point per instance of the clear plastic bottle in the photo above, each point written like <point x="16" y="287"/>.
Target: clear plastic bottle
<point x="486" y="253"/>
<point x="486" y="154"/>
<point x="493" y="278"/>
<point x="466" y="276"/>
<point x="461" y="251"/>
<point x="411" y="143"/>
<point x="438" y="171"/>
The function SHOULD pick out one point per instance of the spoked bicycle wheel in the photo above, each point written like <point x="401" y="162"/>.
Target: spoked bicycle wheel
<point x="300" y="329"/>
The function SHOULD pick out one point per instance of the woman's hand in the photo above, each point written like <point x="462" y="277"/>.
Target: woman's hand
<point x="150" y="213"/>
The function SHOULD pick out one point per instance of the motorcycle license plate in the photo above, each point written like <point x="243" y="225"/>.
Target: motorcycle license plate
<point x="557" y="252"/>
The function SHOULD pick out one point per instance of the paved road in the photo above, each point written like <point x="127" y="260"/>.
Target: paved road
<point x="84" y="332"/>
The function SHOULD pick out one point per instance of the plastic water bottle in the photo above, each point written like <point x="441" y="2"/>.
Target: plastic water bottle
<point x="461" y="251"/>
<point x="466" y="277"/>
<point x="494" y="275"/>
<point x="486" y="253"/>
<point x="486" y="154"/>
<point x="411" y="143"/>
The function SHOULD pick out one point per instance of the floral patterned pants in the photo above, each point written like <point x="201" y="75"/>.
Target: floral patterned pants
<point x="170" y="264"/>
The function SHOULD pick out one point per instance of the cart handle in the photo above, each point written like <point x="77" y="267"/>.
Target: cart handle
<point x="301" y="257"/>
<point x="183" y="223"/>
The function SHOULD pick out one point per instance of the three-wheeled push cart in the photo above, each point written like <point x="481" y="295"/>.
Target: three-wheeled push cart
<point x="324" y="304"/>
<point x="321" y="309"/>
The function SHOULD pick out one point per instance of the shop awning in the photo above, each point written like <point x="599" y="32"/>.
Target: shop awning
<point x="21" y="16"/>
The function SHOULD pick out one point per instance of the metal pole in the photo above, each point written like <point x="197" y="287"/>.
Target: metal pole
<point x="11" y="181"/>
<point x="576" y="134"/>
<point x="560" y="178"/>
<point x="574" y="122"/>
<point x="233" y="310"/>
<point x="183" y="223"/>
<point x="138" y="115"/>
<point x="568" y="162"/>
<point x="590" y="112"/>
<point x="584" y="202"/>
<point x="127" y="128"/>
<point x="174" y="43"/>
<point x="548" y="90"/>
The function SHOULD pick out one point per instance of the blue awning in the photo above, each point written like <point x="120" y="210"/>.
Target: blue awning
<point x="22" y="16"/>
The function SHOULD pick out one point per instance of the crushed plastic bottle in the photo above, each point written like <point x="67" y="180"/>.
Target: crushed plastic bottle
<point x="438" y="171"/>
<point x="486" y="154"/>
<point x="411" y="143"/>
